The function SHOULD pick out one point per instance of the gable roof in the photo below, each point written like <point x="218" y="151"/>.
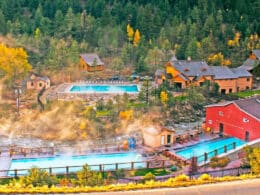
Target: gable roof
<point x="249" y="64"/>
<point x="192" y="68"/>
<point x="222" y="72"/>
<point x="159" y="72"/>
<point x="240" y="72"/>
<point x="89" y="58"/>
<point x="37" y="77"/>
<point x="257" y="53"/>
<point x="249" y="105"/>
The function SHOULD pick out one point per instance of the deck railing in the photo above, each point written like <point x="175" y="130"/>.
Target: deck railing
<point x="67" y="170"/>
<point x="208" y="155"/>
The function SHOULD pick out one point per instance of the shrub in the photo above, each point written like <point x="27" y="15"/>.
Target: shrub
<point x="205" y="177"/>
<point x="182" y="177"/>
<point x="173" y="168"/>
<point x="87" y="177"/>
<point x="218" y="162"/>
<point x="38" y="177"/>
<point x="148" y="176"/>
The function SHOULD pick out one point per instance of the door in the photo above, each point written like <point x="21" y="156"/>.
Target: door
<point x="169" y="139"/>
<point x="162" y="140"/>
<point x="247" y="136"/>
<point x="221" y="129"/>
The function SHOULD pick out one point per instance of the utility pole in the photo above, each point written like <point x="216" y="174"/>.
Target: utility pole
<point x="18" y="92"/>
<point x="147" y="89"/>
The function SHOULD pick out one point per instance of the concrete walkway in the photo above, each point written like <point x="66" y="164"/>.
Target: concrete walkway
<point x="244" y="187"/>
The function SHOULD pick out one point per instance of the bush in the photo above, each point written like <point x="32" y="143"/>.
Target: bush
<point x="205" y="177"/>
<point x="218" y="162"/>
<point x="38" y="177"/>
<point x="173" y="168"/>
<point x="148" y="176"/>
<point x="182" y="177"/>
<point x="87" y="177"/>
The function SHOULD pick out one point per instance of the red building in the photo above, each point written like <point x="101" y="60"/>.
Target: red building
<point x="240" y="118"/>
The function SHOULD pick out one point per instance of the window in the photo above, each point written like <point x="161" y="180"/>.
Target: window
<point x="230" y="90"/>
<point x="220" y="113"/>
<point x="248" y="79"/>
<point x="245" y="120"/>
<point x="40" y="84"/>
<point x="223" y="91"/>
<point x="247" y="88"/>
<point x="31" y="83"/>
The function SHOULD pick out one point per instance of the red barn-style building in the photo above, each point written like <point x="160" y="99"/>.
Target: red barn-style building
<point x="240" y="118"/>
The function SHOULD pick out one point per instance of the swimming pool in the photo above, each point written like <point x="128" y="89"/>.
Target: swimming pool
<point x="91" y="159"/>
<point x="104" y="89"/>
<point x="209" y="147"/>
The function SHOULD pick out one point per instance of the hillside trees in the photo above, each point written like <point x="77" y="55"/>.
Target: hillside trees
<point x="192" y="28"/>
<point x="14" y="64"/>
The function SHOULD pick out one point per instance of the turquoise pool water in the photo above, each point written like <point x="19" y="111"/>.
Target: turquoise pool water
<point x="209" y="147"/>
<point x="92" y="159"/>
<point x="104" y="89"/>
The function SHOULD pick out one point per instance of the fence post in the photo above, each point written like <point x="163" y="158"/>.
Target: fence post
<point x="116" y="166"/>
<point x="234" y="145"/>
<point x="216" y="152"/>
<point x="205" y="156"/>
<point x="100" y="168"/>
<point x="147" y="164"/>
<point x="225" y="149"/>
<point x="15" y="173"/>
<point x="132" y="165"/>
<point x="67" y="170"/>
<point x="50" y="171"/>
<point x="163" y="163"/>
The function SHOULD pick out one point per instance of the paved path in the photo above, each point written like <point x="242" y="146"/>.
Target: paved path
<point x="245" y="187"/>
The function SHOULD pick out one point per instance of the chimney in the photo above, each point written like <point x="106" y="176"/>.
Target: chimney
<point x="189" y="58"/>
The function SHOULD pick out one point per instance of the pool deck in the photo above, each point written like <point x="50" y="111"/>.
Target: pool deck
<point x="62" y="91"/>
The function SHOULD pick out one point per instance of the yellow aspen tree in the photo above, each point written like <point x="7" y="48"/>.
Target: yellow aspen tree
<point x="164" y="97"/>
<point x="130" y="32"/>
<point x="137" y="37"/>
<point x="14" y="64"/>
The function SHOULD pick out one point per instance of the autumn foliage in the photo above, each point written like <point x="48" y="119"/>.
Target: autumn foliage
<point x="218" y="59"/>
<point x="133" y="37"/>
<point x="14" y="63"/>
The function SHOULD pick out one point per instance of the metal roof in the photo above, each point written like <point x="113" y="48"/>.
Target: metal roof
<point x="89" y="58"/>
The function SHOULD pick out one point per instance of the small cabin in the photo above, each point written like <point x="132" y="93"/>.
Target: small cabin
<point x="91" y="62"/>
<point x="158" y="136"/>
<point x="37" y="82"/>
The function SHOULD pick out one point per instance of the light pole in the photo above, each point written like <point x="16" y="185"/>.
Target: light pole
<point x="18" y="92"/>
<point x="147" y="89"/>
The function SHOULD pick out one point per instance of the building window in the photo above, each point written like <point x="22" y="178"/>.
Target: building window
<point x="40" y="84"/>
<point x="223" y="91"/>
<point x="32" y="84"/>
<point x="248" y="79"/>
<point x="210" y="122"/>
<point x="245" y="120"/>
<point x="230" y="90"/>
<point x="247" y="88"/>
<point x="220" y="113"/>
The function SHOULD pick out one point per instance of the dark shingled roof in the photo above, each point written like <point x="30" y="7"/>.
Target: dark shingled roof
<point x="249" y="64"/>
<point x="90" y="57"/>
<point x="222" y="72"/>
<point x="159" y="72"/>
<point x="240" y="72"/>
<point x="250" y="106"/>
<point x="257" y="53"/>
<point x="192" y="68"/>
